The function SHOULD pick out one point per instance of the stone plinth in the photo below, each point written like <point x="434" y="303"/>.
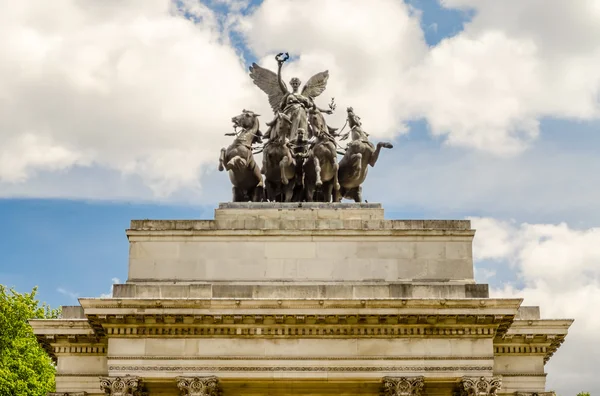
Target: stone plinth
<point x="318" y="243"/>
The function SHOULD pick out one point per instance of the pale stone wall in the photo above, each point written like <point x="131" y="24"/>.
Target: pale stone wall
<point x="297" y="258"/>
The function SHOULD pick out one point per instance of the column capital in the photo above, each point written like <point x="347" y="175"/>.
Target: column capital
<point x="482" y="386"/>
<point x="121" y="386"/>
<point x="66" y="394"/>
<point x="535" y="394"/>
<point x="199" y="386"/>
<point x="403" y="386"/>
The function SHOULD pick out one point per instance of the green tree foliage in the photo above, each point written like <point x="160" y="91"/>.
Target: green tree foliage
<point x="25" y="368"/>
<point x="583" y="394"/>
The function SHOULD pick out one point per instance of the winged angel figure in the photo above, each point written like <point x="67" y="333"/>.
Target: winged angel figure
<point x="293" y="104"/>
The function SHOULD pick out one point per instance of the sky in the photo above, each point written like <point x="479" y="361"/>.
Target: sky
<point x="116" y="110"/>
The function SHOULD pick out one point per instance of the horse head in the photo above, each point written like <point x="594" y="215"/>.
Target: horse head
<point x="246" y="120"/>
<point x="356" y="126"/>
<point x="249" y="123"/>
<point x="283" y="127"/>
<point x="317" y="122"/>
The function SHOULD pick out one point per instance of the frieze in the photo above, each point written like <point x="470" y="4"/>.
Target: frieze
<point x="402" y="386"/>
<point x="300" y="369"/>
<point x="301" y="331"/>
<point x="535" y="394"/>
<point x="293" y="357"/>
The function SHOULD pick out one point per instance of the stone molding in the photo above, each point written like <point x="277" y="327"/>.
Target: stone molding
<point x="535" y="394"/>
<point x="295" y="357"/>
<point x="198" y="386"/>
<point x="66" y="394"/>
<point x="301" y="331"/>
<point x="402" y="386"/>
<point x="121" y="386"/>
<point x="482" y="386"/>
<point x="528" y="344"/>
<point x="354" y="369"/>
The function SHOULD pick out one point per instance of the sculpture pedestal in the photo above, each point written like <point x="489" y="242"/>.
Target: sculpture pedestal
<point x="275" y="298"/>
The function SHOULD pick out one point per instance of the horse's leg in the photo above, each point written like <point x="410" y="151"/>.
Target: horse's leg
<point x="257" y="174"/>
<point x="258" y="194"/>
<point x="222" y="160"/>
<point x="355" y="193"/>
<point x="236" y="162"/>
<point x="318" y="181"/>
<point x="264" y="164"/>
<point x="271" y="193"/>
<point x="283" y="164"/>
<point x="335" y="185"/>
<point x="327" y="190"/>
<point x="341" y="194"/>
<point x="375" y="154"/>
<point x="238" y="194"/>
<point x="288" y="191"/>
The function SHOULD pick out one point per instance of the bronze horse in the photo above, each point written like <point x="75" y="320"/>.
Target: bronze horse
<point x="321" y="167"/>
<point x="279" y="164"/>
<point x="359" y="154"/>
<point x="244" y="172"/>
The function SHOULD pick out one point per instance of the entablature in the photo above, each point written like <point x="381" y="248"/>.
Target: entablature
<point x="533" y="337"/>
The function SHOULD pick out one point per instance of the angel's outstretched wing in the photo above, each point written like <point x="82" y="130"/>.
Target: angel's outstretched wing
<point x="316" y="85"/>
<point x="267" y="81"/>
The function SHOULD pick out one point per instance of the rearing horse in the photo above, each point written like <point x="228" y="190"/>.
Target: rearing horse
<point x="244" y="172"/>
<point x="360" y="153"/>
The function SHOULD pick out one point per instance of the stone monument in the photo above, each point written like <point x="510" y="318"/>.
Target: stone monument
<point x="300" y="297"/>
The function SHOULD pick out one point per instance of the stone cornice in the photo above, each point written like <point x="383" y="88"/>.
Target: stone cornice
<point x="68" y="337"/>
<point x="342" y="229"/>
<point x="528" y="337"/>
<point x="61" y="326"/>
<point x="368" y="306"/>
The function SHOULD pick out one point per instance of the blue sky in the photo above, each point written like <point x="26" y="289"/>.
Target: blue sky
<point x="491" y="118"/>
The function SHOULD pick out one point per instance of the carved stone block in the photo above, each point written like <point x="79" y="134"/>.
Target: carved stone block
<point x="198" y="386"/>
<point x="481" y="386"/>
<point x="402" y="386"/>
<point x="121" y="386"/>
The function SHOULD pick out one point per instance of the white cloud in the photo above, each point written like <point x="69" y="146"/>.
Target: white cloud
<point x="72" y="295"/>
<point x="560" y="269"/>
<point x="115" y="281"/>
<point x="139" y="90"/>
<point x="131" y="86"/>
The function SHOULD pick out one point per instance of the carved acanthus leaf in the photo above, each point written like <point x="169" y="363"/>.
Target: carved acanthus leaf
<point x="198" y="386"/>
<point x="120" y="386"/>
<point x="402" y="386"/>
<point x="482" y="386"/>
<point x="66" y="394"/>
<point x="535" y="394"/>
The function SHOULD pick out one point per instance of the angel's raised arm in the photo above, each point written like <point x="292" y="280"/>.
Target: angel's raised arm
<point x="282" y="85"/>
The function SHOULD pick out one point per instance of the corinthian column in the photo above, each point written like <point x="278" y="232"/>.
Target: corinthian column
<point x="198" y="386"/>
<point x="481" y="386"/>
<point x="402" y="386"/>
<point x="120" y="386"/>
